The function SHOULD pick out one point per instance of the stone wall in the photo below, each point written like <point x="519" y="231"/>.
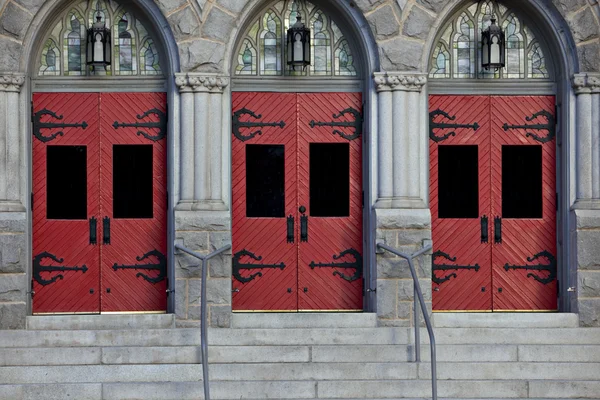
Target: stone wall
<point x="408" y="230"/>
<point x="13" y="267"/>
<point x="203" y="232"/>
<point x="588" y="266"/>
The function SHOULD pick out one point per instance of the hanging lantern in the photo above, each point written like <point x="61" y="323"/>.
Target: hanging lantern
<point x="493" y="47"/>
<point x="298" y="44"/>
<point x="98" y="42"/>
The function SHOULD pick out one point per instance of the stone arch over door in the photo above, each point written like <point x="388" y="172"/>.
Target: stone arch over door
<point x="28" y="61"/>
<point x="551" y="28"/>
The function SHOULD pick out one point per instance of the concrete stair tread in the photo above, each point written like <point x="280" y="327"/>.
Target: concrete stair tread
<point x="303" y="320"/>
<point x="505" y="320"/>
<point x="100" y="322"/>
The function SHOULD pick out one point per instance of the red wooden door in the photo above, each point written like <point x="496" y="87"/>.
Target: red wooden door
<point x="523" y="166"/>
<point x="65" y="275"/>
<point x="504" y="257"/>
<point x="330" y="194"/>
<point x="134" y="201"/>
<point x="99" y="190"/>
<point x="459" y="149"/>
<point x="297" y="208"/>
<point x="264" y="201"/>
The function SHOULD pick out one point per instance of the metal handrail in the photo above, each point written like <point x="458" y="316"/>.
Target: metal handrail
<point x="418" y="294"/>
<point x="203" y="323"/>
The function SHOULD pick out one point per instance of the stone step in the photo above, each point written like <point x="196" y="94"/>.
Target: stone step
<point x="298" y="390"/>
<point x="322" y="372"/>
<point x="303" y="320"/>
<point x="101" y="322"/>
<point x="505" y="320"/>
<point x="294" y="354"/>
<point x="297" y="337"/>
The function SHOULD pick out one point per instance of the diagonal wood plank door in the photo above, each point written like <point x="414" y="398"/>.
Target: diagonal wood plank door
<point x="264" y="201"/>
<point x="330" y="263"/>
<point x="133" y="149"/>
<point x="523" y="167"/>
<point x="66" y="178"/>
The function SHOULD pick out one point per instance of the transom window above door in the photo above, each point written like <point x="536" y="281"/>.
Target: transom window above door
<point x="262" y="50"/>
<point x="133" y="51"/>
<point x="457" y="53"/>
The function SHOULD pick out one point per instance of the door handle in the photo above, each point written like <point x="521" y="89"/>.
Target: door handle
<point x="106" y="230"/>
<point x="93" y="229"/>
<point x="303" y="225"/>
<point x="484" y="229"/>
<point x="497" y="230"/>
<point x="290" y="229"/>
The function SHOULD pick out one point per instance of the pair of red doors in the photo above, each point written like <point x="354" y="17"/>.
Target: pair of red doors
<point x="493" y="202"/>
<point x="99" y="202"/>
<point x="297" y="201"/>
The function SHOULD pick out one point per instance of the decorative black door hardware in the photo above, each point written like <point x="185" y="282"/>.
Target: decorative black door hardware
<point x="161" y="267"/>
<point x="38" y="125"/>
<point x="161" y="124"/>
<point x="445" y="125"/>
<point x="550" y="126"/>
<point x="551" y="267"/>
<point x="237" y="125"/>
<point x="38" y="268"/>
<point x="447" y="267"/>
<point x="238" y="266"/>
<point x="356" y="124"/>
<point x="357" y="265"/>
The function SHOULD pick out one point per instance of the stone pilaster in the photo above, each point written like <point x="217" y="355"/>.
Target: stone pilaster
<point x="201" y="151"/>
<point x="403" y="219"/>
<point x="585" y="224"/>
<point x="202" y="221"/>
<point x="402" y="146"/>
<point x="13" y="223"/>
<point x="10" y="142"/>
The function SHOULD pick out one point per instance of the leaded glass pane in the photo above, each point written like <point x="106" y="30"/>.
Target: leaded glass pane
<point x="321" y="45"/>
<point x="65" y="48"/>
<point x="50" y="59"/>
<point x="344" y="62"/>
<point x="246" y="59"/>
<point x="537" y="62"/>
<point x="74" y="44"/>
<point x="270" y="40"/>
<point x="124" y="43"/>
<point x="464" y="48"/>
<point x="459" y="46"/>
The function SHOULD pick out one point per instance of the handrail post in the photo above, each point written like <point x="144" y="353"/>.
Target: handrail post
<point x="421" y="299"/>
<point x="203" y="321"/>
<point x="417" y="321"/>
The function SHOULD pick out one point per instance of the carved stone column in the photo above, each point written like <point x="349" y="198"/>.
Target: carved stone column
<point x="10" y="143"/>
<point x="403" y="220"/>
<point x="201" y="141"/>
<point x="202" y="220"/>
<point x="402" y="140"/>
<point x="585" y="221"/>
<point x="13" y="222"/>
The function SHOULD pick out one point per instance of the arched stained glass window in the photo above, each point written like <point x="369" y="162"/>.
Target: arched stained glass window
<point x="264" y="43"/>
<point x="457" y="53"/>
<point x="134" y="51"/>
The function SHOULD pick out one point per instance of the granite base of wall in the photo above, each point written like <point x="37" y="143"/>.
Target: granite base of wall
<point x="588" y="266"/>
<point x="203" y="232"/>
<point x="407" y="230"/>
<point x="13" y="267"/>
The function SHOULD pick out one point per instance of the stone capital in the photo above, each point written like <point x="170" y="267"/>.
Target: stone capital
<point x="586" y="83"/>
<point x="192" y="82"/>
<point x="11" y="82"/>
<point x="399" y="81"/>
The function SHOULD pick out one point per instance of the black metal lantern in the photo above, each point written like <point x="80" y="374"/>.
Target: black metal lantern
<point x="98" y="42"/>
<point x="493" y="47"/>
<point x="298" y="44"/>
